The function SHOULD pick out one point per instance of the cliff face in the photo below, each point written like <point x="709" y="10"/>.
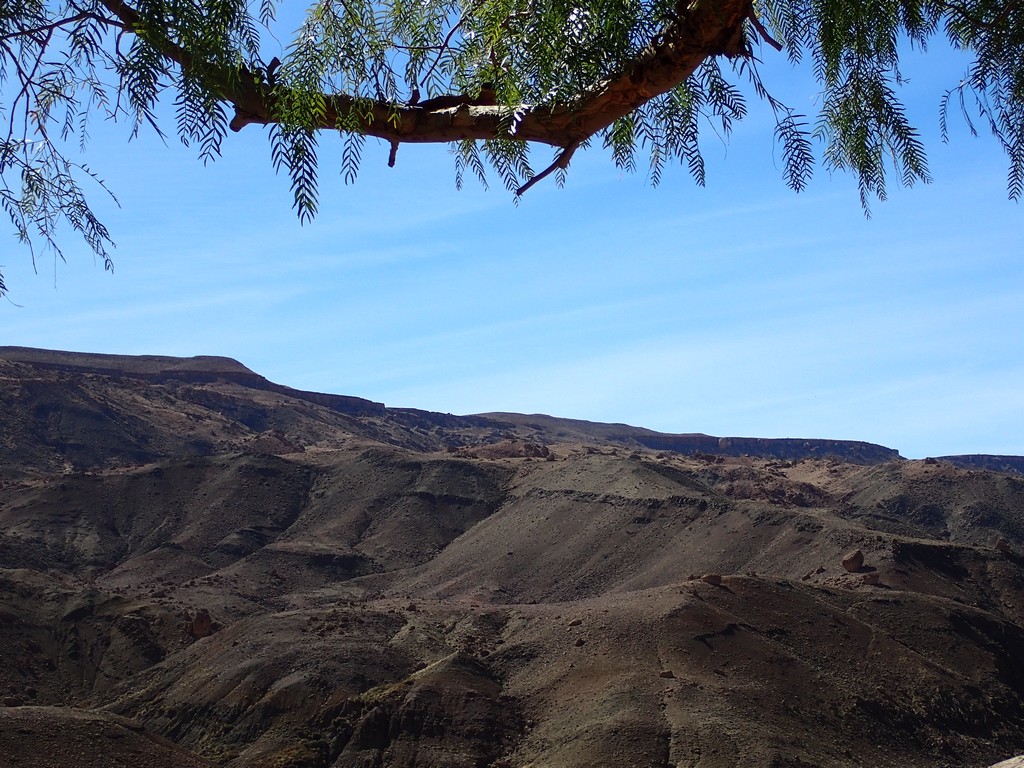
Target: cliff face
<point x="199" y="567"/>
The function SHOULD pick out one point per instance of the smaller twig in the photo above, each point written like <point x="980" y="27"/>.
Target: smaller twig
<point x="446" y="42"/>
<point x="398" y="47"/>
<point x="28" y="91"/>
<point x="44" y="28"/>
<point x="271" y="71"/>
<point x="1003" y="14"/>
<point x="393" y="154"/>
<point x="81" y="16"/>
<point x="999" y="19"/>
<point x="756" y="23"/>
<point x="562" y="161"/>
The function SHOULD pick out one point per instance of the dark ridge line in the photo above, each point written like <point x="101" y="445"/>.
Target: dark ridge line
<point x="991" y="462"/>
<point x="202" y="369"/>
<point x="783" y="448"/>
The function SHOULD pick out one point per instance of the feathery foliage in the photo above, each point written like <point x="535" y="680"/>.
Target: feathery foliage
<point x="489" y="77"/>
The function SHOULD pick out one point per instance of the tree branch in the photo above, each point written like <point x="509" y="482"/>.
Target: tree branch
<point x="562" y="161"/>
<point x="1001" y="17"/>
<point x="701" y="29"/>
<point x="54" y="25"/>
<point x="756" y="23"/>
<point x="444" y="46"/>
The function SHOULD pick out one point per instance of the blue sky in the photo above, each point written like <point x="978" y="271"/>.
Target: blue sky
<point x="737" y="309"/>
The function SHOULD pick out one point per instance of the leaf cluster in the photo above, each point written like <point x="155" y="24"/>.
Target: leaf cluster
<point x="51" y="65"/>
<point x="63" y="63"/>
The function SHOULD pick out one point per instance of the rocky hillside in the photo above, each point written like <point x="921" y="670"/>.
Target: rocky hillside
<point x="199" y="567"/>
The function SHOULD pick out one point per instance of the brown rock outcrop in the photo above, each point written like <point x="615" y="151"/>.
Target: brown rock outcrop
<point x="201" y="625"/>
<point x="854" y="561"/>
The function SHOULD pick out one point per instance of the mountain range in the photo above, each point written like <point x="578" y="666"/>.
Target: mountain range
<point x="200" y="567"/>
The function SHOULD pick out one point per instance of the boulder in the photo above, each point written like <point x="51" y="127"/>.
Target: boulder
<point x="854" y="561"/>
<point x="202" y="624"/>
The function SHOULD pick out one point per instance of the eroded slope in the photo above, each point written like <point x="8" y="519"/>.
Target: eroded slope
<point x="259" y="577"/>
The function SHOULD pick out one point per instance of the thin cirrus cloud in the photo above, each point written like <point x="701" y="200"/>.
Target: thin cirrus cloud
<point x="741" y="308"/>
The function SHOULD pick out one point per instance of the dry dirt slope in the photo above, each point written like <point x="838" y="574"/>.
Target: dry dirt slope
<point x="255" y="576"/>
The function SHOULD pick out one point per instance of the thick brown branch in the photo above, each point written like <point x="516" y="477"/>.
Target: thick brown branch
<point x="133" y="22"/>
<point x="701" y="29"/>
